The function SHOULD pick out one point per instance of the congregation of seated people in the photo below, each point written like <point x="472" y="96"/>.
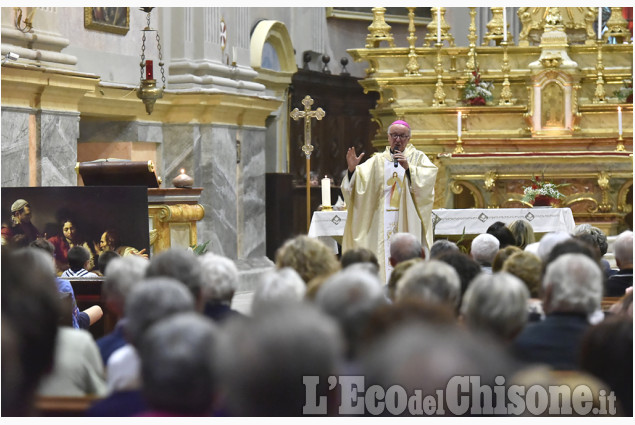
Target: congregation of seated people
<point x="508" y="307"/>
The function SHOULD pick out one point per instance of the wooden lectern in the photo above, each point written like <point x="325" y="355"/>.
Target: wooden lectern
<point x="118" y="172"/>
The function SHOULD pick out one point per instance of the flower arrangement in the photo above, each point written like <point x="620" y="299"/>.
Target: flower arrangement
<point x="625" y="94"/>
<point x="542" y="193"/>
<point x="477" y="92"/>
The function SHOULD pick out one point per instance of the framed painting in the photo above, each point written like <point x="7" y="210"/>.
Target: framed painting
<point x="94" y="210"/>
<point x="115" y="20"/>
<point x="393" y="14"/>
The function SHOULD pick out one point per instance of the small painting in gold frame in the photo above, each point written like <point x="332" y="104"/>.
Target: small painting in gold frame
<point x="108" y="19"/>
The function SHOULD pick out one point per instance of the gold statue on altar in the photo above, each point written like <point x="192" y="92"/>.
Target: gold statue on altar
<point x="577" y="21"/>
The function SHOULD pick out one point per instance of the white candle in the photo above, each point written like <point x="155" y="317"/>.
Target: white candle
<point x="458" y="124"/>
<point x="234" y="55"/>
<point x="599" y="23"/>
<point x="619" y="120"/>
<point x="504" y="25"/>
<point x="326" y="192"/>
<point x="438" y="24"/>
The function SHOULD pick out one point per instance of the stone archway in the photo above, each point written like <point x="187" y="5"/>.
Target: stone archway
<point x="273" y="57"/>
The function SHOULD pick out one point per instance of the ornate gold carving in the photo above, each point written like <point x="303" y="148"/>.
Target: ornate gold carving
<point x="617" y="26"/>
<point x="604" y="179"/>
<point x="439" y="94"/>
<point x="506" y="93"/>
<point x="412" y="69"/>
<point x="600" y="95"/>
<point x="165" y="213"/>
<point x="552" y="106"/>
<point x="456" y="186"/>
<point x="622" y="202"/>
<point x="154" y="236"/>
<point x="431" y="34"/>
<point x="150" y="166"/>
<point x="515" y="198"/>
<point x="379" y="29"/>
<point x="584" y="197"/>
<point x="489" y="180"/>
<point x="471" y="63"/>
<point x="495" y="28"/>
<point x="576" y="21"/>
<point x="179" y="213"/>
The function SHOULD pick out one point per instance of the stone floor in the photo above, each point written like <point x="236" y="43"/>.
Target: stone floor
<point x="242" y="302"/>
<point x="250" y="270"/>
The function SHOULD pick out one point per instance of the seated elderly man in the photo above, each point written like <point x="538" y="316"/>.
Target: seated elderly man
<point x="623" y="248"/>
<point x="443" y="246"/>
<point x="496" y="304"/>
<point x="483" y="250"/>
<point x="572" y="292"/>
<point x="404" y="246"/>
<point x="433" y="281"/>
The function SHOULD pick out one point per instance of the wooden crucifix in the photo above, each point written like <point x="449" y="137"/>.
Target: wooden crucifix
<point x="307" y="148"/>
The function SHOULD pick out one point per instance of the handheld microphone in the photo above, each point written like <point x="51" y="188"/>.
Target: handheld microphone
<point x="394" y="159"/>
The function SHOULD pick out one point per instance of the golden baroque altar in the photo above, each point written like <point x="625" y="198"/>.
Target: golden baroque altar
<point x="553" y="109"/>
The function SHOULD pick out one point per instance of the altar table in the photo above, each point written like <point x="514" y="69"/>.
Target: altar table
<point x="328" y="226"/>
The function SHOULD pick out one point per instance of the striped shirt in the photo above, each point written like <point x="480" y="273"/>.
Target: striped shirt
<point x="78" y="273"/>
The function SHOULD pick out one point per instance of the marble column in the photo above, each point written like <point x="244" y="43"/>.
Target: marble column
<point x="215" y="170"/>
<point x="15" y="146"/>
<point x="59" y="132"/>
<point x="252" y="239"/>
<point x="39" y="148"/>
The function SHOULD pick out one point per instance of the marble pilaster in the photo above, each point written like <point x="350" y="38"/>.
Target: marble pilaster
<point x="215" y="170"/>
<point x="59" y="132"/>
<point x="15" y="146"/>
<point x="252" y="164"/>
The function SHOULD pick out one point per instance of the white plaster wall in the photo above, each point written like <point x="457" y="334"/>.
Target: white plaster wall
<point x="115" y="58"/>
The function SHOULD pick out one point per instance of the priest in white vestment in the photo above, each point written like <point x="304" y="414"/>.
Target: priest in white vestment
<point x="393" y="191"/>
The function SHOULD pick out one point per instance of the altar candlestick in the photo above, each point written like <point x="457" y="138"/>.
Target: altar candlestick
<point x="234" y="55"/>
<point x="149" y="70"/>
<point x="599" y="23"/>
<point x="619" y="120"/>
<point x="458" y="124"/>
<point x="439" y="24"/>
<point x="504" y="26"/>
<point x="326" y="192"/>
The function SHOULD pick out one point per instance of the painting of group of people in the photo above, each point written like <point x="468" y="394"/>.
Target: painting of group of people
<point x="80" y="222"/>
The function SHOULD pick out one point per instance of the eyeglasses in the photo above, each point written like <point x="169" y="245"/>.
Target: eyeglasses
<point x="399" y="136"/>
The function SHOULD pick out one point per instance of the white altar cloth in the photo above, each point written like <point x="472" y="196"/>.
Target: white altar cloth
<point x="328" y="226"/>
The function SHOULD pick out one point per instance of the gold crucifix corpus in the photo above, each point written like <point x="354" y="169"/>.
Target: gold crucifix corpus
<point x="307" y="148"/>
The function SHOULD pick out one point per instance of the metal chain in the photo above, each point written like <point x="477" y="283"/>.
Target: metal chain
<point x="160" y="59"/>
<point x="143" y="54"/>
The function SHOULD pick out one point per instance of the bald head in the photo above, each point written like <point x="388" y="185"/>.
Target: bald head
<point x="404" y="246"/>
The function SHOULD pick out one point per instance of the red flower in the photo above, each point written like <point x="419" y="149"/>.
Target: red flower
<point x="476" y="101"/>
<point x="543" y="201"/>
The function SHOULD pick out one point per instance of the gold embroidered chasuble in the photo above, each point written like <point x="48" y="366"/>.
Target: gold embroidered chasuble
<point x="381" y="201"/>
